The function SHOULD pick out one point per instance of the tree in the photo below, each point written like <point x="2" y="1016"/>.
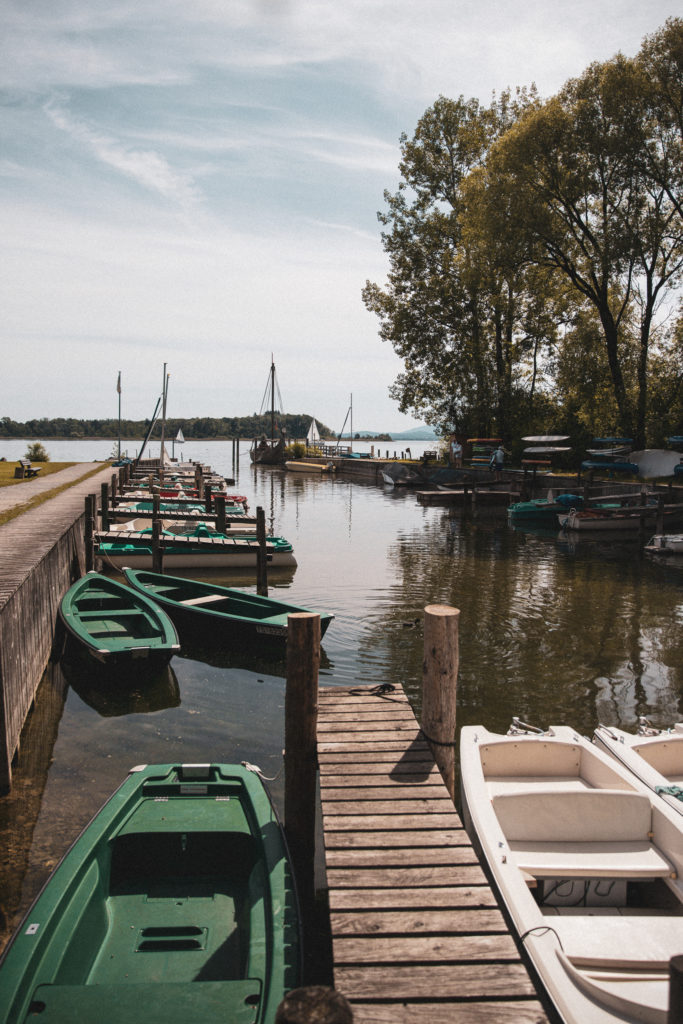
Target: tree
<point x="36" y="453"/>
<point x="599" y="213"/>
<point x="451" y="305"/>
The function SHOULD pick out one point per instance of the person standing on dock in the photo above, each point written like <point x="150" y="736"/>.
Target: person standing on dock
<point x="498" y="461"/>
<point x="456" y="452"/>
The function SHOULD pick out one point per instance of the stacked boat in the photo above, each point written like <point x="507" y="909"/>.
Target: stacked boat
<point x="588" y="858"/>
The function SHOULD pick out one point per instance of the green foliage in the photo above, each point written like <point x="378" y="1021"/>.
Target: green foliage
<point x="296" y="450"/>
<point x="36" y="453"/>
<point x="200" y="428"/>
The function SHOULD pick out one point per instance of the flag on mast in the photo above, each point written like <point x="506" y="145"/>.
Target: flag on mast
<point x="118" y="383"/>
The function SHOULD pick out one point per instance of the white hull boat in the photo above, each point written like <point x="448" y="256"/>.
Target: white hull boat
<point x="655" y="756"/>
<point x="665" y="544"/>
<point x="587" y="862"/>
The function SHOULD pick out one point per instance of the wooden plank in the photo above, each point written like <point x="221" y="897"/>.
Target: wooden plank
<point x="499" y="1012"/>
<point x="456" y="981"/>
<point x="416" y="922"/>
<point x="440" y="949"/>
<point x="437" y="898"/>
<point x="452" y="874"/>
<point x="396" y="857"/>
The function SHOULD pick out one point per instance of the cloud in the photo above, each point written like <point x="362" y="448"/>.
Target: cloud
<point x="147" y="168"/>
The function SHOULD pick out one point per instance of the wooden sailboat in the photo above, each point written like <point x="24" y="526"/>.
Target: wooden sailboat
<point x="269" y="451"/>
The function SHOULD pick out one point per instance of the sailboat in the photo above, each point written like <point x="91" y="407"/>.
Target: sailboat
<point x="313" y="435"/>
<point x="269" y="451"/>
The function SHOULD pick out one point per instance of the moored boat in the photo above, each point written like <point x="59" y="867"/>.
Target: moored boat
<point x="655" y="756"/>
<point x="175" y="904"/>
<point x="622" y="519"/>
<point x="115" y="626"/>
<point x="588" y="863"/>
<point x="198" y="550"/>
<point x="540" y="510"/>
<point x="222" y="611"/>
<point x="665" y="544"/>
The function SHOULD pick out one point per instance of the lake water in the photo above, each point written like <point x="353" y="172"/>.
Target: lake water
<point x="552" y="630"/>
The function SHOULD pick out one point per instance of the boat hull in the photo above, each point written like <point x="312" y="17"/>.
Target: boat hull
<point x="175" y="904"/>
<point x="113" y="627"/>
<point x="222" y="612"/>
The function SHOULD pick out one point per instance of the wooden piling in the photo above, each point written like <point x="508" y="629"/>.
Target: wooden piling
<point x="207" y="497"/>
<point x="675" y="989"/>
<point x="221" y="523"/>
<point x="261" y="555"/>
<point x="301" y="759"/>
<point x="156" y="504"/>
<point x="439" y="685"/>
<point x="104" y="505"/>
<point x="90" y="506"/>
<point x="157" y="549"/>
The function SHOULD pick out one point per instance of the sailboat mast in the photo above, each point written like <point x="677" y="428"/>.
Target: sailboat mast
<point x="272" y="396"/>
<point x="351" y="411"/>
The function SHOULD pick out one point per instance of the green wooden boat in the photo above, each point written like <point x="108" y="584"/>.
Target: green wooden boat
<point x="115" y="625"/>
<point x="175" y="904"/>
<point x="224" y="611"/>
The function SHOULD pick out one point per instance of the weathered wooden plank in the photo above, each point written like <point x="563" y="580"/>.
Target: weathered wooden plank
<point x="521" y="1011"/>
<point x="415" y="922"/>
<point x="393" y="791"/>
<point x="451" y="897"/>
<point x="395" y="857"/>
<point x="386" y="741"/>
<point x="401" y="949"/>
<point x="360" y="878"/>
<point x="377" y="769"/>
<point x="419" y="805"/>
<point x="340" y="822"/>
<point x="456" y="981"/>
<point x="379" y="840"/>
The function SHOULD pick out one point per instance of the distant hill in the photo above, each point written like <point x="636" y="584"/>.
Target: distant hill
<point x="416" y="434"/>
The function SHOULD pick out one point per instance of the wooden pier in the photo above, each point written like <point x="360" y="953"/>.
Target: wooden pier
<point x="417" y="933"/>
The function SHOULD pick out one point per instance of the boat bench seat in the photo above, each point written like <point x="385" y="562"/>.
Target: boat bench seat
<point x="585" y="834"/>
<point x="203" y="599"/>
<point x="211" y="1002"/>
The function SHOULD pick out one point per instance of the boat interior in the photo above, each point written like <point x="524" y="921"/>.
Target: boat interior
<point x="601" y="861"/>
<point x="108" y="613"/>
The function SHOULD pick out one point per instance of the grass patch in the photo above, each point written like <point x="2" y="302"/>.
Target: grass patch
<point x="7" y="478"/>
<point x="38" y="499"/>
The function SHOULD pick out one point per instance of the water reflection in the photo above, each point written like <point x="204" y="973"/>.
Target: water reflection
<point x="110" y="697"/>
<point x="552" y="628"/>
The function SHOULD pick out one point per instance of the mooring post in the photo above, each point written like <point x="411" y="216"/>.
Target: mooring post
<point x="156" y="505"/>
<point x="114" y="486"/>
<point x="104" y="505"/>
<point x="301" y="757"/>
<point x="660" y="514"/>
<point x="157" y="548"/>
<point x="261" y="554"/>
<point x="439" y="685"/>
<point x="207" y="497"/>
<point x="675" y="989"/>
<point x="89" y="532"/>
<point x="221" y="524"/>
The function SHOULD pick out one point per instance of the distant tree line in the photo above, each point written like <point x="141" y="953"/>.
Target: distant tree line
<point x="197" y="428"/>
<point x="536" y="255"/>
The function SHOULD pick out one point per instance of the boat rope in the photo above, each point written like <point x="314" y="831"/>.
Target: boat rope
<point x="438" y="743"/>
<point x="257" y="771"/>
<point x="541" y="929"/>
<point x="676" y="791"/>
<point x="381" y="690"/>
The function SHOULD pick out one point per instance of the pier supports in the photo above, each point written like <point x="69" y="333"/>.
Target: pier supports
<point x="439" y="684"/>
<point x="301" y="758"/>
<point x="261" y="555"/>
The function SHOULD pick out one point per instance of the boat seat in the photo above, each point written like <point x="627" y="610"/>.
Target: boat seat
<point x="203" y="599"/>
<point x="560" y="833"/>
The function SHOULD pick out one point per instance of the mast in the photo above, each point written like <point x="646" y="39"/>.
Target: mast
<point x="272" y="397"/>
<point x="351" y="412"/>
<point x="164" y="392"/>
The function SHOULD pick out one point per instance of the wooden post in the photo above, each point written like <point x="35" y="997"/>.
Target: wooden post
<point x="301" y="758"/>
<point x="207" y="497"/>
<point x="261" y="554"/>
<point x="675" y="989"/>
<point x="89" y="532"/>
<point x="114" y="486"/>
<point x="660" y="514"/>
<point x="156" y="505"/>
<point x="157" y="549"/>
<point x="221" y="525"/>
<point x="104" y="505"/>
<point x="439" y="684"/>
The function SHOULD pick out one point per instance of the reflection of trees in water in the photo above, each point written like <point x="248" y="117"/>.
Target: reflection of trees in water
<point x="20" y="808"/>
<point x="552" y="635"/>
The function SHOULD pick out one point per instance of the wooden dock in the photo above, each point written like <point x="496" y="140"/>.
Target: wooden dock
<point x="467" y="496"/>
<point x="417" y="934"/>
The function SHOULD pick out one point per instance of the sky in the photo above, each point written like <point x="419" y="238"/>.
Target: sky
<point x="197" y="185"/>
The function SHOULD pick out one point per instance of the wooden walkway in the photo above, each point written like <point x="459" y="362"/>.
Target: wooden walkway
<point x="417" y="935"/>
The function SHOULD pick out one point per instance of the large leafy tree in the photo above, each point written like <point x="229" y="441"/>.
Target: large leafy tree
<point x="600" y="190"/>
<point x="452" y="305"/>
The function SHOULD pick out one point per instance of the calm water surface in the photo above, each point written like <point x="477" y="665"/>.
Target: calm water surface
<point x="552" y="630"/>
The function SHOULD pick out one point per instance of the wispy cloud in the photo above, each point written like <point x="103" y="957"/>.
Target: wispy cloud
<point x="148" y="168"/>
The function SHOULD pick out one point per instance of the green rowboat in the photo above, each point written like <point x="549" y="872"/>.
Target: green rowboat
<point x="175" y="904"/>
<point x="115" y="625"/>
<point x="224" y="611"/>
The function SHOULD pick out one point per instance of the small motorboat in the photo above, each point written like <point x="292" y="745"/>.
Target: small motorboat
<point x="114" y="625"/>
<point x="665" y="544"/>
<point x="200" y="549"/>
<point x="224" y="611"/>
<point x="655" y="756"/>
<point x="588" y="863"/>
<point x="175" y="904"/>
